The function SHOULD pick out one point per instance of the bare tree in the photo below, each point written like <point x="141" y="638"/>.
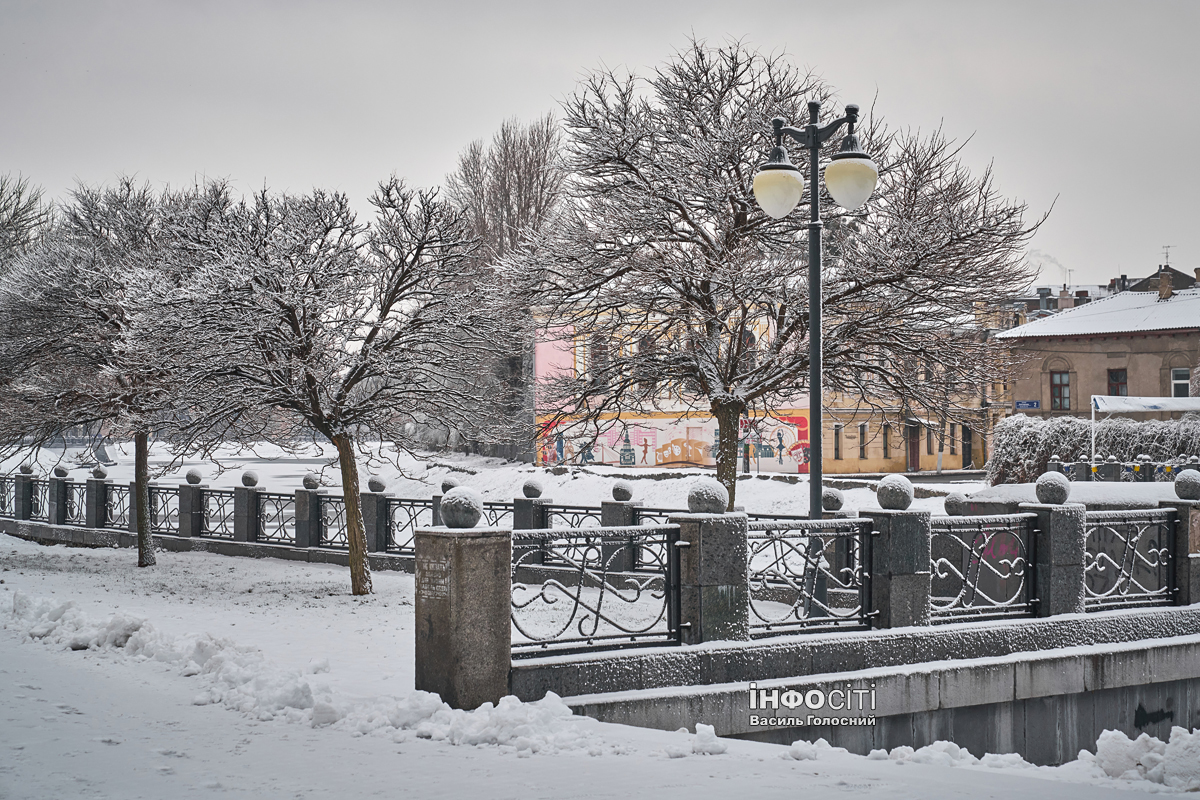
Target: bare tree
<point x="23" y="216"/>
<point x="302" y="321"/>
<point x="662" y="252"/>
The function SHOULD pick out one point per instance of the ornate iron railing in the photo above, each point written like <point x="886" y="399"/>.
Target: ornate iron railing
<point x="1128" y="558"/>
<point x="404" y="517"/>
<point x="808" y="575"/>
<point x="333" y="523"/>
<point x="216" y="506"/>
<point x="76" y="503"/>
<point x="40" y="506"/>
<point x="574" y="517"/>
<point x="117" y="505"/>
<point x="276" y="517"/>
<point x="576" y="590"/>
<point x="655" y="516"/>
<point x="982" y="567"/>
<point x="8" y="496"/>
<point x="496" y="514"/>
<point x="164" y="509"/>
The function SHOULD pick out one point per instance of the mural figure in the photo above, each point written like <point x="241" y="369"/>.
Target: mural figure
<point x="779" y="438"/>
<point x="558" y="447"/>
<point x="645" y="449"/>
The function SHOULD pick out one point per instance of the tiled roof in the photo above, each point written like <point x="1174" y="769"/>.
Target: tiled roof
<point x="1126" y="312"/>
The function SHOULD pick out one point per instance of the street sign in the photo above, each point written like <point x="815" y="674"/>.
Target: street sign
<point x="1029" y="405"/>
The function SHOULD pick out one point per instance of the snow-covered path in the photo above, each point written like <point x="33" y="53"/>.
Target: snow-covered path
<point x="123" y="722"/>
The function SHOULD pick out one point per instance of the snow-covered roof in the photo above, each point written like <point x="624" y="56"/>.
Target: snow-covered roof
<point x="1126" y="312"/>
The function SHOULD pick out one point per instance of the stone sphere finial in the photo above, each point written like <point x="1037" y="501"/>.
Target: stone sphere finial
<point x="461" y="507"/>
<point x="956" y="504"/>
<point x="708" y="496"/>
<point x="1052" y="488"/>
<point x="60" y="472"/>
<point x="249" y="478"/>
<point x="622" y="491"/>
<point x="99" y="473"/>
<point x="1187" y="485"/>
<point x="832" y="499"/>
<point x="311" y="482"/>
<point x="26" y="468"/>
<point x="193" y="476"/>
<point x="375" y="484"/>
<point x="894" y="493"/>
<point x="532" y="488"/>
<point x="449" y="482"/>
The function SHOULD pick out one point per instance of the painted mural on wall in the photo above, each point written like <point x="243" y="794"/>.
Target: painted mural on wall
<point x="772" y="444"/>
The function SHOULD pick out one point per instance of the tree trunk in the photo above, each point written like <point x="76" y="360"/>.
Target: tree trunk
<point x="356" y="533"/>
<point x="141" y="480"/>
<point x="728" y="419"/>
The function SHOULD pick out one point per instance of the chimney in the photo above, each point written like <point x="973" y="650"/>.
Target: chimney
<point x="1065" y="300"/>
<point x="1043" y="297"/>
<point x="1165" y="284"/>
<point x="1197" y="285"/>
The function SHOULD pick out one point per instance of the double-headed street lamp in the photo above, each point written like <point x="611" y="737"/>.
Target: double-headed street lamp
<point x="778" y="186"/>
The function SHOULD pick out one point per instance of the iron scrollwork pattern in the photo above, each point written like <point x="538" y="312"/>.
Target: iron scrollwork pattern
<point x="8" y="496"/>
<point x="1128" y="559"/>
<point x="164" y="509"/>
<point x="40" y="508"/>
<point x="404" y="517"/>
<point x="808" y="575"/>
<point x="276" y="517"/>
<point x="116" y="505"/>
<point x="333" y="523"/>
<point x="216" y="507"/>
<point x="981" y="567"/>
<point x="496" y="514"/>
<point x="574" y="591"/>
<point x="76" y="503"/>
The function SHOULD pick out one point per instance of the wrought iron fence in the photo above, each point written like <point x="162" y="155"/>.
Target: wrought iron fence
<point x="333" y="523"/>
<point x="117" y="504"/>
<point x="808" y="575"/>
<point x="76" y="503"/>
<point x="581" y="590"/>
<point x="982" y="567"/>
<point x="8" y="496"/>
<point x="560" y="516"/>
<point x="1128" y="558"/>
<point x="276" y="517"/>
<point x="655" y="516"/>
<point x="216" y="506"/>
<point x="496" y="514"/>
<point x="404" y="517"/>
<point x="164" y="509"/>
<point x="40" y="505"/>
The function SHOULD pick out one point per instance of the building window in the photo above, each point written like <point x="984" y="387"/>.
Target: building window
<point x="929" y="441"/>
<point x="837" y="442"/>
<point x="1180" y="379"/>
<point x="862" y="440"/>
<point x="1118" y="383"/>
<point x="887" y="440"/>
<point x="1060" y="391"/>
<point x="953" y="443"/>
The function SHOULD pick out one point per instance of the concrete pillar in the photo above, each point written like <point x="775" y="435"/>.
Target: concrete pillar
<point x="191" y="509"/>
<point x="899" y="567"/>
<point x="57" y="497"/>
<point x="1082" y="471"/>
<point x="245" y="513"/>
<point x="96" y="503"/>
<point x="375" y="520"/>
<point x="23" y="495"/>
<point x="619" y="514"/>
<point x="529" y="514"/>
<point x="132" y="527"/>
<point x="1186" y="552"/>
<point x="1060" y="542"/>
<point x="308" y="518"/>
<point x="436" y="503"/>
<point x="463" y="612"/>
<point x="714" y="577"/>
<point x="1109" y="470"/>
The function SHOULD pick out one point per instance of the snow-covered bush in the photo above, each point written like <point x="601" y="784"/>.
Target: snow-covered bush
<point x="1022" y="446"/>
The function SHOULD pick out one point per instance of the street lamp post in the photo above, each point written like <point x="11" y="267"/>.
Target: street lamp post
<point x="778" y="187"/>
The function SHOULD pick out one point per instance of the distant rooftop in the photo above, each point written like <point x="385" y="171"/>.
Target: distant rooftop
<point x="1126" y="312"/>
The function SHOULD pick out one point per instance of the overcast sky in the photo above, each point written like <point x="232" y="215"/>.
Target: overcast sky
<point x="1093" y="103"/>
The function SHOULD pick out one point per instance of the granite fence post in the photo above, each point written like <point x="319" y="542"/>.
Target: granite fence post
<point x="436" y="503"/>
<point x="1059" y="546"/>
<point x="1186" y="550"/>
<point x="308" y="518"/>
<point x="463" y="611"/>
<point x="96" y="503"/>
<point x="619" y="514"/>
<point x="714" y="577"/>
<point x="191" y="509"/>
<point x="56" y="495"/>
<point x="900" y="571"/>
<point x="245" y="513"/>
<point x="375" y="520"/>
<point x="1108" y="470"/>
<point x="23" y="496"/>
<point x="529" y="514"/>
